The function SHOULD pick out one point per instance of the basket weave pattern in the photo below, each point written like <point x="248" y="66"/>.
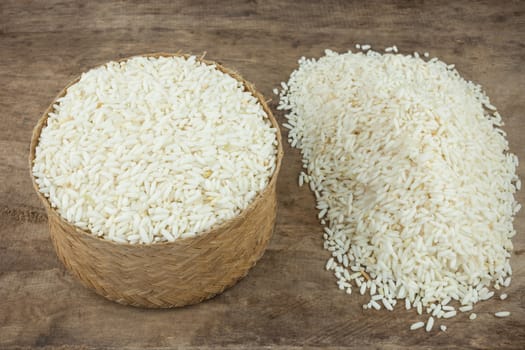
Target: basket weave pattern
<point x="172" y="274"/>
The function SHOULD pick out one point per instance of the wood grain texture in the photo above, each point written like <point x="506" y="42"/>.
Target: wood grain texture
<point x="287" y="300"/>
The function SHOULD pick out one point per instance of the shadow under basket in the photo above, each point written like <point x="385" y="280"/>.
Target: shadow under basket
<point x="162" y="275"/>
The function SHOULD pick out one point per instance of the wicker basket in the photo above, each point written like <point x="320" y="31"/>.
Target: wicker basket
<point x="164" y="275"/>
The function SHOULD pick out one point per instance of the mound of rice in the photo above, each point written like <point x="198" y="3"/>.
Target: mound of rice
<point x="154" y="149"/>
<point x="412" y="176"/>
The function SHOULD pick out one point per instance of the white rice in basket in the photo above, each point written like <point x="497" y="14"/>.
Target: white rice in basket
<point x="154" y="149"/>
<point x="412" y="176"/>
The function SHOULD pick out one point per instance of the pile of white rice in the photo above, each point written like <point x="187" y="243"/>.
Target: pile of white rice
<point x="154" y="149"/>
<point x="412" y="176"/>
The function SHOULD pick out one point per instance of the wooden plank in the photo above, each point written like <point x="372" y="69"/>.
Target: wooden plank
<point x="287" y="300"/>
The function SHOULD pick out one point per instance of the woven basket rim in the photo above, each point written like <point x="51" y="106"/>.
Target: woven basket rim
<point x="216" y="229"/>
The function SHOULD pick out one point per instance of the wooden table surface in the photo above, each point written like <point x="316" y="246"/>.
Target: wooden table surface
<point x="288" y="300"/>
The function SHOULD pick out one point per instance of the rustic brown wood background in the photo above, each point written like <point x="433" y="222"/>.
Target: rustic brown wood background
<point x="287" y="300"/>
